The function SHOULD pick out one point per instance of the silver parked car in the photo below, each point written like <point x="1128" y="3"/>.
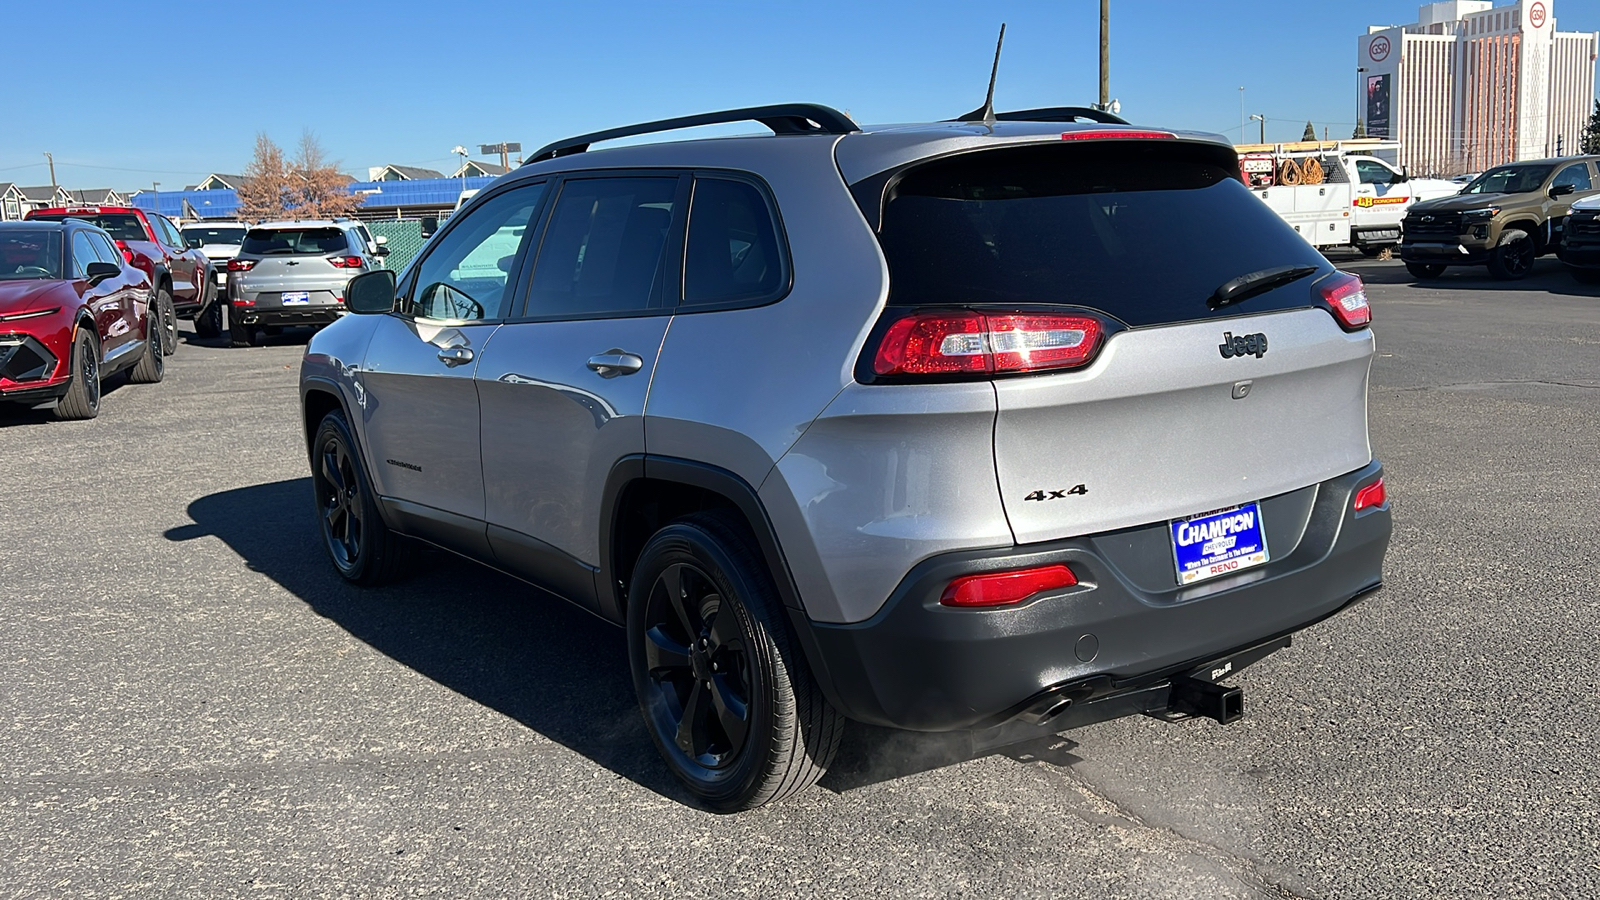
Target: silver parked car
<point x="294" y="273"/>
<point x="1005" y="425"/>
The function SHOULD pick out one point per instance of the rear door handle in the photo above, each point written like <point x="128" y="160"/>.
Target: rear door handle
<point x="455" y="356"/>
<point x="616" y="362"/>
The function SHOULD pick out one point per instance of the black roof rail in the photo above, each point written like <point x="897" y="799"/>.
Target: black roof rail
<point x="782" y="118"/>
<point x="1062" y="114"/>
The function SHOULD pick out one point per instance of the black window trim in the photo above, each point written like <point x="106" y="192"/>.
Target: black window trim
<point x="404" y="308"/>
<point x="785" y="266"/>
<point x="673" y="246"/>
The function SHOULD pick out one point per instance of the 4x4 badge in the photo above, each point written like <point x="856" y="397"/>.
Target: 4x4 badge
<point x="1243" y="345"/>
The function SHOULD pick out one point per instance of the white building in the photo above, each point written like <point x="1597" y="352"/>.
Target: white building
<point x="1470" y="85"/>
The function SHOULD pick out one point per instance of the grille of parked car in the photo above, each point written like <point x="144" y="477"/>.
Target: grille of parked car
<point x="1425" y="225"/>
<point x="1586" y="224"/>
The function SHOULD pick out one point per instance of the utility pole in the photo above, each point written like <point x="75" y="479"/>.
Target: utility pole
<point x="155" y="188"/>
<point x="1105" y="54"/>
<point x="1263" y="121"/>
<point x="52" y="160"/>
<point x="1241" y="113"/>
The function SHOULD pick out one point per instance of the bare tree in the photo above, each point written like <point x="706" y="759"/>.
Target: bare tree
<point x="318" y="189"/>
<point x="265" y="191"/>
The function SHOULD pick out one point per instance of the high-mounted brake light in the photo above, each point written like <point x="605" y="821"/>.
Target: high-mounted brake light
<point x="1103" y="134"/>
<point x="241" y="265"/>
<point x="1006" y="588"/>
<point x="1347" y="298"/>
<point x="964" y="342"/>
<point x="345" y="262"/>
<point x="1373" y="495"/>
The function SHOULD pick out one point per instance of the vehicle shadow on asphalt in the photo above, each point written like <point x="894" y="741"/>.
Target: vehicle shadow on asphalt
<point x="1547" y="275"/>
<point x="518" y="650"/>
<point x="12" y="415"/>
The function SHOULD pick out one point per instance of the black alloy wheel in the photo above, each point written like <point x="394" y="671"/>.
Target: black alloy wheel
<point x="152" y="364"/>
<point x="359" y="543"/>
<point x="169" y="321"/>
<point x="82" y="399"/>
<point x="725" y="691"/>
<point x="1513" y="257"/>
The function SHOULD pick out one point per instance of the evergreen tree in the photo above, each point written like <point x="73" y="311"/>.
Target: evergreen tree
<point x="1591" y="135"/>
<point x="1361" y="130"/>
<point x="1311" y="133"/>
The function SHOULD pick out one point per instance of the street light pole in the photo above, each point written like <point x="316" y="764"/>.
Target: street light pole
<point x="1361" y="71"/>
<point x="1241" y="113"/>
<point x="1263" y="120"/>
<point x="155" y="188"/>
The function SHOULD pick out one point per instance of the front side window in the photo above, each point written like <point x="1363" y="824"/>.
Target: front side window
<point x="1373" y="173"/>
<point x="1576" y="175"/>
<point x="603" y="249"/>
<point x="169" y="232"/>
<point x="464" y="275"/>
<point x="104" y="250"/>
<point x="82" y="254"/>
<point x="733" y="252"/>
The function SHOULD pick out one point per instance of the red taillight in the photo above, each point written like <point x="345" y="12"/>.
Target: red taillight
<point x="345" y="262"/>
<point x="1347" y="297"/>
<point x="241" y="265"/>
<point x="126" y="253"/>
<point x="243" y="302"/>
<point x="1372" y="495"/>
<point x="1102" y="134"/>
<point x="1005" y="588"/>
<point x="963" y="342"/>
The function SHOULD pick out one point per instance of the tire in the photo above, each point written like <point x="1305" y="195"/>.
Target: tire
<point x="239" y="334"/>
<point x="360" y="545"/>
<point x="1424" y="271"/>
<point x="707" y="642"/>
<point x="82" y="400"/>
<point x="1513" y="257"/>
<point x="208" y="321"/>
<point x="152" y="364"/>
<point x="1584" y="276"/>
<point x="272" y="330"/>
<point x="169" y="321"/>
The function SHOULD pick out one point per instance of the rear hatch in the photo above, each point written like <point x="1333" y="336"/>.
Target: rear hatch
<point x="1192" y="398"/>
<point x="296" y="266"/>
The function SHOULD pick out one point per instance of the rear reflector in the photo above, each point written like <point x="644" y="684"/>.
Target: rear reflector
<point x="964" y="342"/>
<point x="241" y="265"/>
<point x="1347" y="299"/>
<point x="243" y="302"/>
<point x="1373" y="495"/>
<point x="1110" y="134"/>
<point x="1005" y="588"/>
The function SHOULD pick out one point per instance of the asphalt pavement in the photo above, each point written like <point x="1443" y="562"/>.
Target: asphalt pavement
<point x="194" y="705"/>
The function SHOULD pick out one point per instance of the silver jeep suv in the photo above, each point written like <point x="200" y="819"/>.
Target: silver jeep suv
<point x="1002" y="426"/>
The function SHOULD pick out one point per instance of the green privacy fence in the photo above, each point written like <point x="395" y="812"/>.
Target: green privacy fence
<point x="405" y="239"/>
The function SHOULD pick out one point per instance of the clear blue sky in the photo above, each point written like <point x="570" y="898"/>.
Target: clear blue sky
<point x="124" y="94"/>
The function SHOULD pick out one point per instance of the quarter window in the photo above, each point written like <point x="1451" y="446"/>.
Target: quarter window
<point x="733" y="251"/>
<point x="464" y="275"/>
<point x="603" y="249"/>
<point x="1576" y="175"/>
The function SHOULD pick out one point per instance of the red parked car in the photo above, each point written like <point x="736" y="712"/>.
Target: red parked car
<point x="185" y="286"/>
<point x="72" y="313"/>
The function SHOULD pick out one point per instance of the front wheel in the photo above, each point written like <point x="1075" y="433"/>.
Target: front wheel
<point x="1424" y="271"/>
<point x="1512" y="258"/>
<point x="169" y="321"/>
<point x="358" y="542"/>
<point x="152" y="364"/>
<point x="726" y="694"/>
<point x="82" y="399"/>
<point x="208" y="321"/>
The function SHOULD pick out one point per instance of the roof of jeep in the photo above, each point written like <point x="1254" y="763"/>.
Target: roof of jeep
<point x="859" y="154"/>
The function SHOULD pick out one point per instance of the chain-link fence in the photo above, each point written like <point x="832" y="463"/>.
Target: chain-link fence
<point x="405" y="240"/>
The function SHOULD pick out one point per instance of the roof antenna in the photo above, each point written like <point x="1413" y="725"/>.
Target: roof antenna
<point x="985" y="113"/>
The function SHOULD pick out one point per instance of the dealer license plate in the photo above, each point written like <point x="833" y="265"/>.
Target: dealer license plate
<point x="1218" y="543"/>
<point x="296" y="298"/>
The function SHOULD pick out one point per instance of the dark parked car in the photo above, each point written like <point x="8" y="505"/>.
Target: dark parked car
<point x="181" y="274"/>
<point x="1004" y="425"/>
<point x="72" y="313"/>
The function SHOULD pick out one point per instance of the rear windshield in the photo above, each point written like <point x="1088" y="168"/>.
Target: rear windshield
<point x="214" y="235"/>
<point x="1145" y="231"/>
<point x="121" y="226"/>
<point x="29" y="254"/>
<point x="268" y="241"/>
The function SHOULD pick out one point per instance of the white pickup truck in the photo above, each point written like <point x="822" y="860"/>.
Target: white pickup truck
<point x="1338" y="193"/>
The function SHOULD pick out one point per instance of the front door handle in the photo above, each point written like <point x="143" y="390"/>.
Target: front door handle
<point x="616" y="362"/>
<point x="455" y="356"/>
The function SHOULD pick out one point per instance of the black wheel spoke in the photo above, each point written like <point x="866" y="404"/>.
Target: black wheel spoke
<point x="662" y="652"/>
<point x="733" y="713"/>
<point x="724" y="632"/>
<point x="692" y="727"/>
<point x="684" y="606"/>
<point x="330" y="471"/>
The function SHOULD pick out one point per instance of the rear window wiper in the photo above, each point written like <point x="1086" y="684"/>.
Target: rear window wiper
<point x="1246" y="286"/>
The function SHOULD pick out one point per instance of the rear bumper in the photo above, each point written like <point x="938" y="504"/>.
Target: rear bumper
<point x="288" y="315"/>
<point x="1111" y="644"/>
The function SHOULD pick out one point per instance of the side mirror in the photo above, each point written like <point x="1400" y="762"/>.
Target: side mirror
<point x="1561" y="190"/>
<point x="372" y="293"/>
<point x="100" y="271"/>
<point x="1405" y="175"/>
<point x="195" y="243"/>
<point x="381" y="251"/>
<point x="430" y="224"/>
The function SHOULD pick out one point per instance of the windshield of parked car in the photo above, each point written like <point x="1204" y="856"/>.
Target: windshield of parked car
<point x="121" y="226"/>
<point x="270" y="241"/>
<point x="208" y="235"/>
<point x="29" y="254"/>
<point x="1509" y="180"/>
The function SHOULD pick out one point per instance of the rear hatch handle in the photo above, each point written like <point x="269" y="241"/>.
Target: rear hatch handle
<point x="1249" y="285"/>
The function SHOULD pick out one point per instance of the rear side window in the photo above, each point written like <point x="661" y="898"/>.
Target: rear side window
<point x="121" y="226"/>
<point x="1145" y="231"/>
<point x="733" y="254"/>
<point x="603" y="249"/>
<point x="270" y="241"/>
